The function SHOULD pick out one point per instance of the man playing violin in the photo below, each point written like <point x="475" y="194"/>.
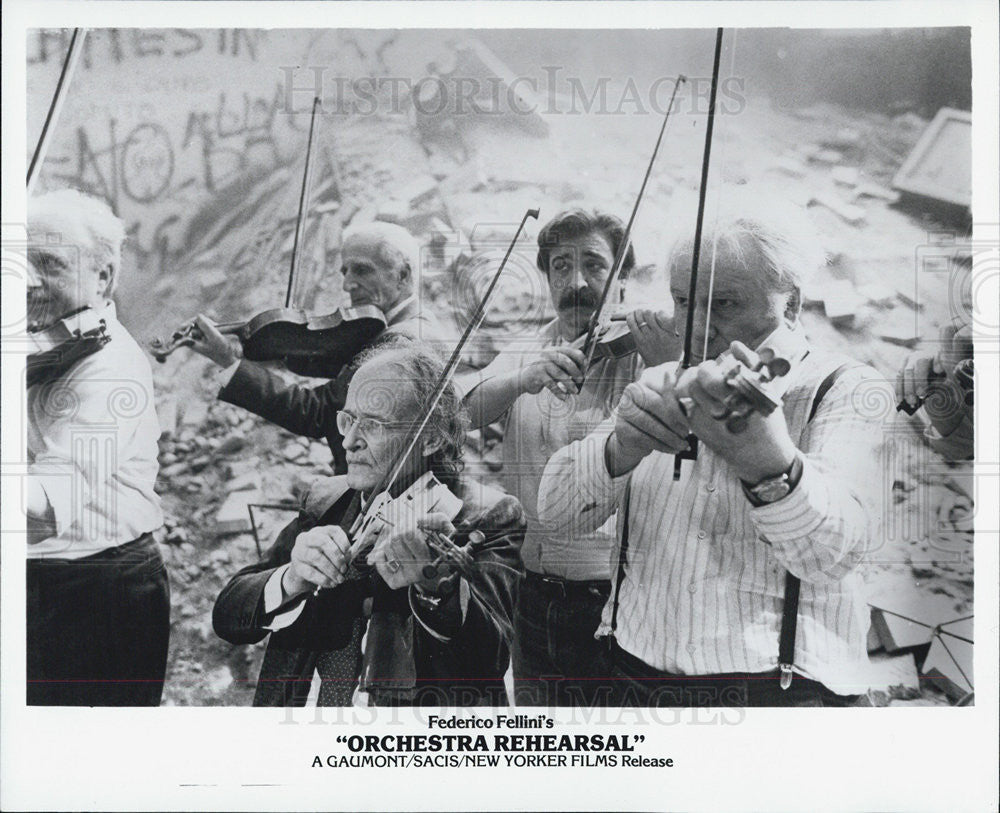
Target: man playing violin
<point x="434" y="633"/>
<point x="98" y="617"/>
<point x="535" y="384"/>
<point x="696" y="613"/>
<point x="381" y="262"/>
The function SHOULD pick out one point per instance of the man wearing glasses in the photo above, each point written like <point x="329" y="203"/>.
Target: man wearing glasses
<point x="414" y="629"/>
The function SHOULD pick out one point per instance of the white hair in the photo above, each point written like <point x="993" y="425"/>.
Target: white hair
<point x="747" y="221"/>
<point x="69" y="217"/>
<point x="395" y="243"/>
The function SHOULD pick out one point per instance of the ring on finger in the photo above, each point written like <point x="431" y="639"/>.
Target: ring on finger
<point x="392" y="565"/>
<point x="687" y="404"/>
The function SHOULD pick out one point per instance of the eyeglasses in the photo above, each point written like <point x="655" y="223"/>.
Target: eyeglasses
<point x="369" y="427"/>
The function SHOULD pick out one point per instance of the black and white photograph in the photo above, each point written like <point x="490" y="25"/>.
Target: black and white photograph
<point x="526" y="396"/>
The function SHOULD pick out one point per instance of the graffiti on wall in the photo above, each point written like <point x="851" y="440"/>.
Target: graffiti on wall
<point x="121" y="45"/>
<point x="161" y="122"/>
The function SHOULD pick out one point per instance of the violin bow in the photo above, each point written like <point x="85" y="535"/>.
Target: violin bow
<point x="303" y="205"/>
<point x="446" y="375"/>
<point x="691" y="452"/>
<point x="65" y="75"/>
<point x="591" y="342"/>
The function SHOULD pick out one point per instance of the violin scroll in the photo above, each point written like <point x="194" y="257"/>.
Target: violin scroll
<point x="754" y="389"/>
<point x="57" y="348"/>
<point x="184" y="336"/>
<point x="317" y="346"/>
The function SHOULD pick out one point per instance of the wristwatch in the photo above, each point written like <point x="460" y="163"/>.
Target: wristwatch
<point x="772" y="489"/>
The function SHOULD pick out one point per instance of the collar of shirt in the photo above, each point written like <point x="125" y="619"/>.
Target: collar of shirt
<point x="106" y="311"/>
<point x="398" y="308"/>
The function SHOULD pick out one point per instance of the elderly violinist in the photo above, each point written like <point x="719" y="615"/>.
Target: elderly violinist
<point x="435" y="633"/>
<point x="759" y="540"/>
<point x="381" y="263"/>
<point x="535" y="385"/>
<point x="98" y="617"/>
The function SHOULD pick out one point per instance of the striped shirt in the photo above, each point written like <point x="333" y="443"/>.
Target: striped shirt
<point x="704" y="582"/>
<point x="539" y="425"/>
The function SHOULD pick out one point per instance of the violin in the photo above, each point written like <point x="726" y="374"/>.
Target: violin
<point x="427" y="493"/>
<point x="965" y="378"/>
<point x="57" y="349"/>
<point x="316" y="346"/>
<point x="609" y="342"/>
<point x="762" y="386"/>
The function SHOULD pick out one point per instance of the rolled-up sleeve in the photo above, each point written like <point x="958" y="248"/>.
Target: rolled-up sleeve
<point x="828" y="523"/>
<point x="576" y="493"/>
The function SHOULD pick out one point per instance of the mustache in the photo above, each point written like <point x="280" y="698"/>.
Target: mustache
<point x="576" y="298"/>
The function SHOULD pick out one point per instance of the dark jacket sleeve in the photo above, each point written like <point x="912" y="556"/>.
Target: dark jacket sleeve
<point x="493" y="580"/>
<point x="324" y="623"/>
<point x="238" y="615"/>
<point x="308" y="411"/>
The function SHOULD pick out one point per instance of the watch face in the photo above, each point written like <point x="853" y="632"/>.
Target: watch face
<point x="772" y="490"/>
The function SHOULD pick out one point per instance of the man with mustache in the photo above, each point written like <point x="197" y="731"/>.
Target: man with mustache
<point x="381" y="263"/>
<point x="535" y="382"/>
<point x="436" y="638"/>
<point x="709" y="567"/>
<point x="98" y="617"/>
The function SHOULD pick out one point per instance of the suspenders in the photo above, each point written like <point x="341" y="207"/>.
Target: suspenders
<point x="622" y="558"/>
<point x="790" y="609"/>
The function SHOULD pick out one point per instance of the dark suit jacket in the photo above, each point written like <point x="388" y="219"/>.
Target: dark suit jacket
<point x="465" y="669"/>
<point x="312" y="411"/>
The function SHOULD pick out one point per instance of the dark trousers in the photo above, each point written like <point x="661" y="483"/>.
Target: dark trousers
<point x="557" y="661"/>
<point x="98" y="628"/>
<point x="638" y="684"/>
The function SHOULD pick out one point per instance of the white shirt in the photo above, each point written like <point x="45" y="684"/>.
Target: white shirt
<point x="704" y="584"/>
<point x="92" y="447"/>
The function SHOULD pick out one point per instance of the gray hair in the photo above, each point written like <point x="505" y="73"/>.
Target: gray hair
<point x="396" y="246"/>
<point x="421" y="366"/>
<point x="747" y="222"/>
<point x="82" y="221"/>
